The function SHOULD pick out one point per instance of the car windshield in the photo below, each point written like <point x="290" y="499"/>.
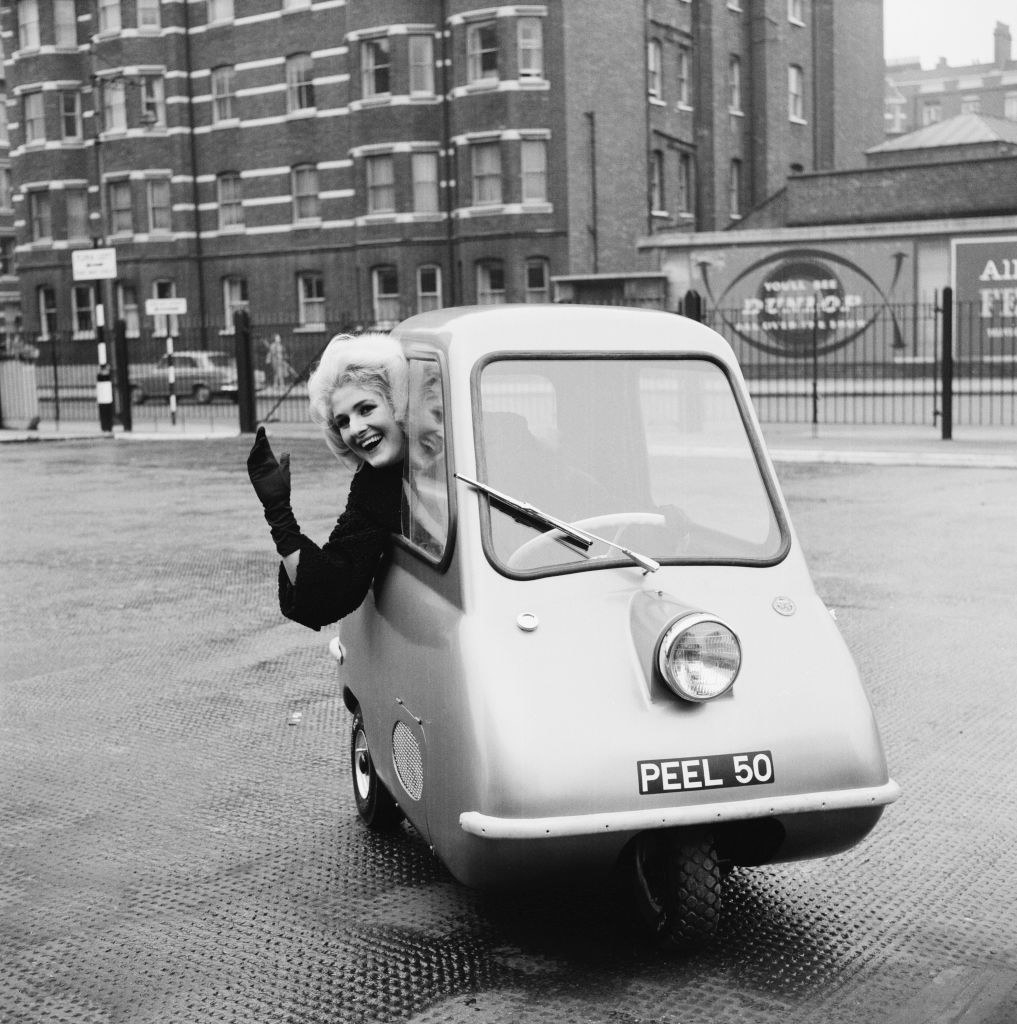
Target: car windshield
<point x="649" y="453"/>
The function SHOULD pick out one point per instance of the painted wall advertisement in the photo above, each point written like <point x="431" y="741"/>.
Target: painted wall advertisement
<point x="985" y="292"/>
<point x="797" y="302"/>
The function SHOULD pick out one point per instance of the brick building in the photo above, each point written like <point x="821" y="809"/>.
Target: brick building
<point x="916" y="97"/>
<point x="335" y="162"/>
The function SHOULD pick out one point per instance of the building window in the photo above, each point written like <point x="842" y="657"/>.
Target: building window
<point x="160" y="211"/>
<point x="533" y="155"/>
<point x="305" y="192"/>
<point x="482" y="51"/>
<point x="149" y="14"/>
<point x="299" y="82"/>
<point x="796" y="12"/>
<point x="109" y="16"/>
<point x="4" y="137"/>
<point x="153" y="101"/>
<point x="486" y="168"/>
<point x="76" y="205"/>
<point x="311" y="300"/>
<point x="28" y="25"/>
<point x="220" y="10"/>
<point x="127" y="309"/>
<point x="6" y="191"/>
<point x="83" y="311"/>
<point x="684" y="183"/>
<point x="380" y="184"/>
<point x="734" y="84"/>
<point x="222" y="93"/>
<point x="490" y="283"/>
<point x="428" y="288"/>
<point x="657" y="204"/>
<point x="1010" y="106"/>
<point x="40" y="215"/>
<point x="230" y="198"/>
<point x="34" y="117"/>
<point x="734" y="189"/>
<point x="530" y="33"/>
<point x="118" y="198"/>
<point x="234" y="298"/>
<point x="165" y="326"/>
<point x="931" y="112"/>
<point x="65" y="23"/>
<point x="684" y="77"/>
<point x="114" y="106"/>
<point x="46" y="299"/>
<point x="70" y="115"/>
<point x="375" y="67"/>
<point x="796" y="93"/>
<point x="537" y="280"/>
<point x="421" y="65"/>
<point x="654" y="87"/>
<point x="6" y="256"/>
<point x="971" y="105"/>
<point x="425" y="182"/>
<point x="385" y="289"/>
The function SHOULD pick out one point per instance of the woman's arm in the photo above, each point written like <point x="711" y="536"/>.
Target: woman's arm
<point x="290" y="563"/>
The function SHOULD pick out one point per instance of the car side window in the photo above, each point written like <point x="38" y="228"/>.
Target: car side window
<point x="425" y="506"/>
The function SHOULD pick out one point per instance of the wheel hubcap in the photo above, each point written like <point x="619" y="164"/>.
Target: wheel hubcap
<point x="361" y="765"/>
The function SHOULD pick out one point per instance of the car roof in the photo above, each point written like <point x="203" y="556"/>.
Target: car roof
<point x="467" y="333"/>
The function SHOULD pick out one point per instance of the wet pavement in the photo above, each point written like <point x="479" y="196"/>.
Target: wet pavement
<point x="178" y="839"/>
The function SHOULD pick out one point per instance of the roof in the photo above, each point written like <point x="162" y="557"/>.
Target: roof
<point x="963" y="130"/>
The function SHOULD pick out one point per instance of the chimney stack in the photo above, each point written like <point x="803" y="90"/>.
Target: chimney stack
<point x="1001" y="38"/>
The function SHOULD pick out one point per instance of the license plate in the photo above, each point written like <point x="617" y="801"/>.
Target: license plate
<point x="710" y="771"/>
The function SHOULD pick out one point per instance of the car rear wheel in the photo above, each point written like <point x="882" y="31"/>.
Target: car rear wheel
<point x="202" y="394"/>
<point x="675" y="882"/>
<point x="375" y="805"/>
<point x="138" y="395"/>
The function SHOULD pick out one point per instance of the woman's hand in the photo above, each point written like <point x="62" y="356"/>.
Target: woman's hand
<point x="270" y="478"/>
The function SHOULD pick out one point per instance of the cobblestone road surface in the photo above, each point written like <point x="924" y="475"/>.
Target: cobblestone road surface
<point x="174" y="849"/>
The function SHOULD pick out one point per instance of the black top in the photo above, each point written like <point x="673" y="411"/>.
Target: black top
<point x="333" y="580"/>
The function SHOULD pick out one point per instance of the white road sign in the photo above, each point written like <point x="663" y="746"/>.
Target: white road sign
<point x="94" y="264"/>
<point x="165" y="307"/>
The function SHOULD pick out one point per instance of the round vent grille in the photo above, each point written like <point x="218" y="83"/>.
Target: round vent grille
<point x="409" y="762"/>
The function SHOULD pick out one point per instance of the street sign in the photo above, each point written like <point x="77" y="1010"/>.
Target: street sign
<point x="165" y="307"/>
<point x="94" y="264"/>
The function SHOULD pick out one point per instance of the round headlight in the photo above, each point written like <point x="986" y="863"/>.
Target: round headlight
<point x="699" y="657"/>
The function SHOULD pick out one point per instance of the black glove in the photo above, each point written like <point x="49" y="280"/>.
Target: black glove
<point x="271" y="480"/>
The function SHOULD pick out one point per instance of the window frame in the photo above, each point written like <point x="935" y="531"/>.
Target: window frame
<point x="479" y="51"/>
<point x="230" y="182"/>
<point x="218" y="11"/>
<point x="435" y="293"/>
<point x="529" y="174"/>
<point x="796" y="94"/>
<point x="482" y="178"/>
<point x="380" y="187"/>
<point x="387" y="301"/>
<point x="530" y="51"/>
<point x="304" y="190"/>
<point x="77" y="134"/>
<point x="162" y="325"/>
<point x="120" y="206"/>
<point x="488" y="293"/>
<point x="76" y="218"/>
<point x="114" y="105"/>
<point x="543" y="293"/>
<point x="33" y="113"/>
<point x="426" y="191"/>
<point x="684" y="76"/>
<point x="46" y="306"/>
<point x="311" y="298"/>
<point x="62" y="26"/>
<point x="734" y="84"/>
<point x="796" y="12"/>
<point x="734" y="189"/>
<point x="82" y="312"/>
<point x="222" y="100"/>
<point x="29" y="31"/>
<point x="148" y="7"/>
<point x="658" y="195"/>
<point x="153" y="99"/>
<point x="375" y="74"/>
<point x="235" y="296"/>
<point x="153" y="207"/>
<point x="40" y="214"/>
<point x="129" y="311"/>
<point x="300" y="83"/>
<point x="654" y="70"/>
<point x="421" y="65"/>
<point x="109" y="17"/>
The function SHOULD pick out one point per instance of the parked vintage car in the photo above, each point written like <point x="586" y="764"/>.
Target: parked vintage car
<point x="200" y="376"/>
<point x="596" y="645"/>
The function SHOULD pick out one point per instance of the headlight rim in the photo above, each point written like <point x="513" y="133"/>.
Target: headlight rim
<point x="678" y="625"/>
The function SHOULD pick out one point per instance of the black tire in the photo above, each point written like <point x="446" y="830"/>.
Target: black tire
<point x="202" y="394"/>
<point x="375" y="805"/>
<point x="138" y="395"/>
<point x="675" y="881"/>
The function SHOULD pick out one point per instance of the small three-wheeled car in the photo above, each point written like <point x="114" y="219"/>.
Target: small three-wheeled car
<point x="596" y="645"/>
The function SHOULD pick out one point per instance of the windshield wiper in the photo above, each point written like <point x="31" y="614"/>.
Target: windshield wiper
<point x="581" y="537"/>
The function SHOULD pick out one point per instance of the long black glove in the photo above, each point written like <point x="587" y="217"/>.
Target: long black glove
<point x="271" y="480"/>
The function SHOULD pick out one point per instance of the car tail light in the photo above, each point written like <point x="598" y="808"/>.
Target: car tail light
<point x="699" y="656"/>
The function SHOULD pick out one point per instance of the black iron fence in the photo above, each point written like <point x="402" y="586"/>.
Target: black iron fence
<point x="864" y="365"/>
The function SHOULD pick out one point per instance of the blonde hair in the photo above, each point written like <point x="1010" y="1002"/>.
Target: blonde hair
<point x="372" y="361"/>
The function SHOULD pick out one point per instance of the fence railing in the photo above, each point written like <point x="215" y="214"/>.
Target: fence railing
<point x="869" y="365"/>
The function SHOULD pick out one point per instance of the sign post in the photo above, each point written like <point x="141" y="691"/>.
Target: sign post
<point x="168" y="307"/>
<point x="98" y="265"/>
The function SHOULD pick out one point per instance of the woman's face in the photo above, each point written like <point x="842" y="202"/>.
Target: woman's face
<point x="367" y="425"/>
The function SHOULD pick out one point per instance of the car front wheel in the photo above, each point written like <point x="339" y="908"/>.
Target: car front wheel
<point x="202" y="394"/>
<point x="375" y="805"/>
<point x="138" y="395"/>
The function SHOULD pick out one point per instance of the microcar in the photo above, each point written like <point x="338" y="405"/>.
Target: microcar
<point x="596" y="646"/>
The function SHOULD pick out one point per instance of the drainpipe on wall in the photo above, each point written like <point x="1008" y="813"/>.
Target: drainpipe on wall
<point x="449" y="161"/>
<point x="593" y="227"/>
<point x="193" y="153"/>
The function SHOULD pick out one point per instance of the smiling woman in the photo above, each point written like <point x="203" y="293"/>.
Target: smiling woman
<point x="358" y="394"/>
